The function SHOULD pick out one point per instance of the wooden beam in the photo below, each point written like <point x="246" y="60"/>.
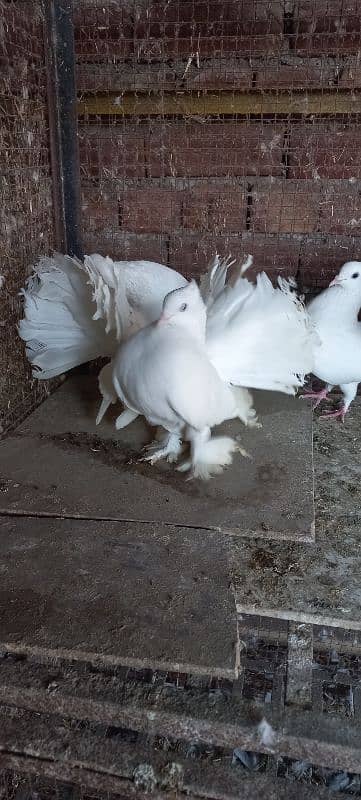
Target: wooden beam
<point x="223" y="102"/>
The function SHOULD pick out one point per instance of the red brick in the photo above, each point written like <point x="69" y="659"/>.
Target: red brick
<point x="265" y="15"/>
<point x="127" y="77"/>
<point x="209" y="28"/>
<point x="191" y="254"/>
<point x="150" y="210"/>
<point x="328" y="26"/>
<point x="350" y="73"/>
<point x="284" y="206"/>
<point x="22" y="32"/>
<point x="127" y="246"/>
<point x="218" y="73"/>
<point x="215" y="149"/>
<point x="103" y="31"/>
<point x="99" y="211"/>
<point x="276" y="255"/>
<point x="297" y="73"/>
<point x="215" y="208"/>
<point x="116" y="151"/>
<point x="172" y="30"/>
<point x="325" y="150"/>
<point x="130" y="76"/>
<point x="340" y="208"/>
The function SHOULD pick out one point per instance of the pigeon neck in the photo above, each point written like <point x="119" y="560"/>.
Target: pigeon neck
<point x="344" y="304"/>
<point x="198" y="331"/>
<point x="349" y="305"/>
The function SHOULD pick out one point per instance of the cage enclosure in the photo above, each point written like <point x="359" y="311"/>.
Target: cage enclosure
<point x="155" y="637"/>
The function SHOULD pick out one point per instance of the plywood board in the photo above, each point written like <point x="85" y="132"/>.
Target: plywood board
<point x="59" y="463"/>
<point x="113" y="593"/>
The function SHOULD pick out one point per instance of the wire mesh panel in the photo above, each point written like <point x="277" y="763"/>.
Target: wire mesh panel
<point x="26" y="218"/>
<point x="229" y="126"/>
<point x="139" y="732"/>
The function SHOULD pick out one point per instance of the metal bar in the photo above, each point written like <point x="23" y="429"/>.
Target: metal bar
<point x="60" y="62"/>
<point x="223" y="102"/>
<point x="85" y="770"/>
<point x="299" y="665"/>
<point x="328" y="740"/>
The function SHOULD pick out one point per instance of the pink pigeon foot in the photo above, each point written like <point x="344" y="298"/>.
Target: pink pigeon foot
<point x="317" y="396"/>
<point x="340" y="413"/>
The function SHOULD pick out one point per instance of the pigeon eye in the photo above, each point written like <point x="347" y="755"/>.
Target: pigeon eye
<point x="183" y="307"/>
<point x="355" y="275"/>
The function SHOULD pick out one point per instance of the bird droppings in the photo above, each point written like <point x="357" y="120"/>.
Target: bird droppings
<point x="113" y="453"/>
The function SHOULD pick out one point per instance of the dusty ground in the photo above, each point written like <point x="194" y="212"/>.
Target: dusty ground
<point x="337" y="460"/>
<point x="321" y="582"/>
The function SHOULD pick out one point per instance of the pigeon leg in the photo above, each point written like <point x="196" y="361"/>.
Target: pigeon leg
<point x="349" y="391"/>
<point x="317" y="396"/>
<point x="169" y="447"/>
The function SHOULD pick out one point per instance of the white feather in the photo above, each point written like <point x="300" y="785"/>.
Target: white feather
<point x="58" y="326"/>
<point x="260" y="336"/>
<point x="66" y="323"/>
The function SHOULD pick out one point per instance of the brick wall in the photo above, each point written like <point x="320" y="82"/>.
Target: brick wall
<point x="285" y="188"/>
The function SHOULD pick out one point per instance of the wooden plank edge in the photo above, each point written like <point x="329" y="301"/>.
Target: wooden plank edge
<point x="220" y="103"/>
<point x="103" y="660"/>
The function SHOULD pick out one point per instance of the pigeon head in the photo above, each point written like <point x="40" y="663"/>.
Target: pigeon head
<point x="184" y="308"/>
<point x="349" y="278"/>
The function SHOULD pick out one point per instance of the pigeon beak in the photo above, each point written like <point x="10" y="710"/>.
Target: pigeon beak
<point x="163" y="319"/>
<point x="336" y="281"/>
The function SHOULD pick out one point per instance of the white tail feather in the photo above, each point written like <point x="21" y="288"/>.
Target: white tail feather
<point x="58" y="326"/>
<point x="66" y="323"/>
<point x="213" y="282"/>
<point x="107" y="391"/>
<point x="109" y="294"/>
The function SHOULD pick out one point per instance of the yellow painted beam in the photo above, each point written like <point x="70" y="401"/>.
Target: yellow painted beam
<point x="214" y="104"/>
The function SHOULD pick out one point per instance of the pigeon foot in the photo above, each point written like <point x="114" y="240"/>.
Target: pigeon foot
<point x="340" y="413"/>
<point x="316" y="396"/>
<point x="169" y="448"/>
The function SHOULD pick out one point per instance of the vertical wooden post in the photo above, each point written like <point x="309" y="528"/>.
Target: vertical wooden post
<point x="62" y="111"/>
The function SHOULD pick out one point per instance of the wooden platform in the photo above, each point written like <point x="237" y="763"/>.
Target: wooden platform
<point x="59" y="463"/>
<point x="118" y="593"/>
<point x="108" y="559"/>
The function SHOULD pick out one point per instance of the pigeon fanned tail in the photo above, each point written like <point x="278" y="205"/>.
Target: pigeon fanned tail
<point x="75" y="312"/>
<point x="58" y="326"/>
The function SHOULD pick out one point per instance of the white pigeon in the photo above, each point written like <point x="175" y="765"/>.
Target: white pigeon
<point x="337" y="361"/>
<point x="163" y="372"/>
<point x="257" y="336"/>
